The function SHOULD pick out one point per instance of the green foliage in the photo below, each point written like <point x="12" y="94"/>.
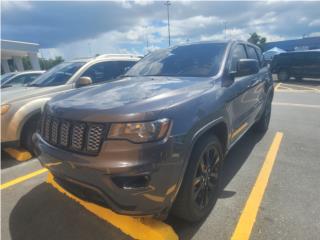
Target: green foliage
<point x="257" y="40"/>
<point x="45" y="64"/>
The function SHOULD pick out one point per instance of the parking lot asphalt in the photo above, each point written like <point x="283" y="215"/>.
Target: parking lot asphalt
<point x="290" y="208"/>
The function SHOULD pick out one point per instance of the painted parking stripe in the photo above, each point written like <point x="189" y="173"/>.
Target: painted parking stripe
<point x="296" y="105"/>
<point x="22" y="178"/>
<point x="136" y="227"/>
<point x="249" y="213"/>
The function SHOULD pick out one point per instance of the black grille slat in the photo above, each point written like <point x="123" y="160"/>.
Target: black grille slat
<point x="64" y="133"/>
<point x="78" y="136"/>
<point x="73" y="136"/>
<point x="47" y="124"/>
<point x="54" y="131"/>
<point x="94" y="138"/>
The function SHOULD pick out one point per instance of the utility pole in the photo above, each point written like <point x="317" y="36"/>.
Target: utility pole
<point x="167" y="3"/>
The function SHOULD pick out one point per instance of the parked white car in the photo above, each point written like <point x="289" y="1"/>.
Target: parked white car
<point x="18" y="79"/>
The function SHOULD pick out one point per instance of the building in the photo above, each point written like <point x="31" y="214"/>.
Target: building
<point x="12" y="53"/>
<point x="307" y="43"/>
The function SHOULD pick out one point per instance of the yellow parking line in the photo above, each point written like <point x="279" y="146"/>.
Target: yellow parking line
<point x="249" y="214"/>
<point x="303" y="87"/>
<point x="22" y="178"/>
<point x="137" y="228"/>
<point x="277" y="86"/>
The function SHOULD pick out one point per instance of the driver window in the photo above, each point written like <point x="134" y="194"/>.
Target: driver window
<point x="238" y="53"/>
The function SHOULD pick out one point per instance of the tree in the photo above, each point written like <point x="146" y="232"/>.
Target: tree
<point x="45" y="64"/>
<point x="257" y="40"/>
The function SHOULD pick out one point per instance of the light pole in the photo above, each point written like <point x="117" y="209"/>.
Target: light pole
<point x="167" y="3"/>
<point x="225" y="30"/>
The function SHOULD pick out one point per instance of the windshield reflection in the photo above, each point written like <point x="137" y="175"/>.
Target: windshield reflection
<point x="57" y="75"/>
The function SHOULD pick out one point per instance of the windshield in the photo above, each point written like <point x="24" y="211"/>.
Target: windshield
<point x="6" y="76"/>
<point x="57" y="75"/>
<point x="196" y="60"/>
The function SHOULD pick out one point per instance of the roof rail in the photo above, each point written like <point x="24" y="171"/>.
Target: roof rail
<point x="117" y="55"/>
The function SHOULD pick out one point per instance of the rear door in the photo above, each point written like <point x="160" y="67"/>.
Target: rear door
<point x="239" y="105"/>
<point x="256" y="93"/>
<point x="297" y="64"/>
<point x="312" y="65"/>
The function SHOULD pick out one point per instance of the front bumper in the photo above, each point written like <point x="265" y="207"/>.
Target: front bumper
<point x="131" y="179"/>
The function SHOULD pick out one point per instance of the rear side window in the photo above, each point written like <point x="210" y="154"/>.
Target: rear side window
<point x="105" y="71"/>
<point x="238" y="53"/>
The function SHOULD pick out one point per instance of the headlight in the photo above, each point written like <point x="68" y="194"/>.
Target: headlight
<point x="140" y="132"/>
<point x="4" y="108"/>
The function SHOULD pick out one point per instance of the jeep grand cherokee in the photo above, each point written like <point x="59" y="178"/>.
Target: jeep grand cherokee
<point x="155" y="141"/>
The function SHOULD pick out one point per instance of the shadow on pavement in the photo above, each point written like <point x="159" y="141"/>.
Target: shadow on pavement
<point x="235" y="159"/>
<point x="44" y="213"/>
<point x="7" y="161"/>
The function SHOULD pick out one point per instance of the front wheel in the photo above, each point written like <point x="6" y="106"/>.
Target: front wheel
<point x="28" y="131"/>
<point x="200" y="187"/>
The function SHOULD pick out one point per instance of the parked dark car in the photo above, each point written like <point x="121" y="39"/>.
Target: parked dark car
<point x="304" y="64"/>
<point x="155" y="141"/>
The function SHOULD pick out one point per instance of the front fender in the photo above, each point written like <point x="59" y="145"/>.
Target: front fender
<point x="21" y="116"/>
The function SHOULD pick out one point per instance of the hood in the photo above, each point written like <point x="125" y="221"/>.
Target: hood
<point x="131" y="96"/>
<point x="9" y="95"/>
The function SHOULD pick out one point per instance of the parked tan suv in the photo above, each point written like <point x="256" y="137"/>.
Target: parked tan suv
<point x="21" y="106"/>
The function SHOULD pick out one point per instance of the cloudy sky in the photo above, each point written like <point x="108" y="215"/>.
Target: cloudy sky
<point x="79" y="29"/>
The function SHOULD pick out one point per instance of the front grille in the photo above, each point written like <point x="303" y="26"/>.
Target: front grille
<point x="76" y="136"/>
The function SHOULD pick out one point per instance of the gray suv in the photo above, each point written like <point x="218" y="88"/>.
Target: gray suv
<point x="155" y="141"/>
<point x="21" y="106"/>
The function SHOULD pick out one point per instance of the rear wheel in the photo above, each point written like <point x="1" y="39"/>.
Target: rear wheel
<point x="262" y="125"/>
<point x="283" y="76"/>
<point x="200" y="187"/>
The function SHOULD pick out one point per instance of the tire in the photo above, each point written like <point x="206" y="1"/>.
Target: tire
<point x="283" y="76"/>
<point x="201" y="185"/>
<point x="27" y="133"/>
<point x="262" y="125"/>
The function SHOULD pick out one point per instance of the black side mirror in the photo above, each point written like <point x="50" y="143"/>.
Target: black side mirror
<point x="247" y="67"/>
<point x="83" y="81"/>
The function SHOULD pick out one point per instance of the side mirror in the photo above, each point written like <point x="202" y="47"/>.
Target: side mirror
<point x="83" y="81"/>
<point x="247" y="67"/>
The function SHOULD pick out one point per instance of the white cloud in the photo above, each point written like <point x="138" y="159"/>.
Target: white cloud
<point x="267" y="18"/>
<point x="16" y="5"/>
<point x="314" y="34"/>
<point x="315" y="23"/>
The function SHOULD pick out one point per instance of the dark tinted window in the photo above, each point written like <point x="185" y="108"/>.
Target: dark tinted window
<point x="58" y="75"/>
<point x="238" y="53"/>
<point x="252" y="54"/>
<point x="105" y="71"/>
<point x="195" y="60"/>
